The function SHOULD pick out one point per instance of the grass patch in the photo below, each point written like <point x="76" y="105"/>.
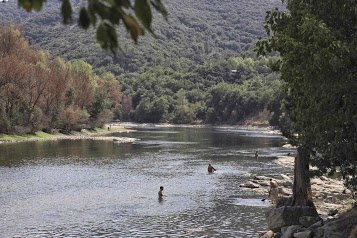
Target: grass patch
<point x="39" y="134"/>
<point x="44" y="135"/>
<point x="11" y="137"/>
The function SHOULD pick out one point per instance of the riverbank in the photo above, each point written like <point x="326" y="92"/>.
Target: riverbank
<point x="335" y="214"/>
<point x="330" y="196"/>
<point x="334" y="206"/>
<point x="96" y="134"/>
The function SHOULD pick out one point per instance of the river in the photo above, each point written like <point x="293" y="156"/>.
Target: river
<point x="88" y="188"/>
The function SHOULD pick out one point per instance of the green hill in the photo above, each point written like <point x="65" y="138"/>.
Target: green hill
<point x="197" y="68"/>
<point x="197" y="32"/>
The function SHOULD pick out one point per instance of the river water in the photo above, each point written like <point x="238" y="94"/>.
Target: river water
<point x="87" y="188"/>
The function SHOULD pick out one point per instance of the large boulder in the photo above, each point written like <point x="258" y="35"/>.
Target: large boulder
<point x="288" y="216"/>
<point x="344" y="226"/>
<point x="307" y="221"/>
<point x="290" y="230"/>
<point x="303" y="234"/>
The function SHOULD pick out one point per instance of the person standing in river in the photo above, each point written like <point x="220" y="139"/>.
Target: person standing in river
<point x="273" y="191"/>
<point x="160" y="193"/>
<point x="211" y="169"/>
<point x="256" y="155"/>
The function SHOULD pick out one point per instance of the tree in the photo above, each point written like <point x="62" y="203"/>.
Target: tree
<point x="317" y="42"/>
<point x="83" y="83"/>
<point x="39" y="92"/>
<point x="108" y="14"/>
<point x="183" y="114"/>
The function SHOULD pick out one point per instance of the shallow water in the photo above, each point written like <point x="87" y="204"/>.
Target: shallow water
<point x="105" y="189"/>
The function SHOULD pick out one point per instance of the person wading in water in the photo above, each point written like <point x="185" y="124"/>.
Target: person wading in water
<point x="211" y="169"/>
<point x="160" y="193"/>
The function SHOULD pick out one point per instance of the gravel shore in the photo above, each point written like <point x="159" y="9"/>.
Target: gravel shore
<point x="329" y="195"/>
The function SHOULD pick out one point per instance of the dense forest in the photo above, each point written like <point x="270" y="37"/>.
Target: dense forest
<point x="199" y="66"/>
<point x="41" y="92"/>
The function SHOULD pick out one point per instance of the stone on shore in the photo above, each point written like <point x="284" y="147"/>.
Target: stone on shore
<point x="288" y="216"/>
<point x="268" y="234"/>
<point x="344" y="226"/>
<point x="249" y="185"/>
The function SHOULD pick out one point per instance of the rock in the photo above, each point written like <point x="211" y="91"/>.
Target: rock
<point x="249" y="185"/>
<point x="261" y="178"/>
<point x="332" y="212"/>
<point x="353" y="233"/>
<point x="303" y="234"/>
<point x="288" y="146"/>
<point x="307" y="221"/>
<point x="340" y="227"/>
<point x="281" y="201"/>
<point x="284" y="229"/>
<point x="318" y="233"/>
<point x="316" y="225"/>
<point x="290" y="231"/>
<point x="247" y="175"/>
<point x="284" y="191"/>
<point x="287" y="216"/>
<point x="324" y="178"/>
<point x="269" y="234"/>
<point x="278" y="235"/>
<point x="262" y="183"/>
<point x="285" y="177"/>
<point x="332" y="234"/>
<point x="286" y="183"/>
<point x="342" y="196"/>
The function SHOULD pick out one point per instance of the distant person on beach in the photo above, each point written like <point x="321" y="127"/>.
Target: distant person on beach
<point x="160" y="193"/>
<point x="211" y="169"/>
<point x="273" y="191"/>
<point x="256" y="155"/>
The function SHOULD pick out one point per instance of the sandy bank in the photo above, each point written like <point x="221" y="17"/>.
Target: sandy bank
<point x="97" y="134"/>
<point x="329" y="195"/>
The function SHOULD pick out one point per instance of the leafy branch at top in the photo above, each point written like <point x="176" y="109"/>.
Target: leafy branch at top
<point x="106" y="15"/>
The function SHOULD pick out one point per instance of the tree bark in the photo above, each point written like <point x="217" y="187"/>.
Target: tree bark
<point x="302" y="188"/>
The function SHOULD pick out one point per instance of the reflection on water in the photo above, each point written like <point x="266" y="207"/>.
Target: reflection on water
<point x="105" y="189"/>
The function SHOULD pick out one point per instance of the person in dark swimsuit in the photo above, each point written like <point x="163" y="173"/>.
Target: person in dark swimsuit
<point x="211" y="169"/>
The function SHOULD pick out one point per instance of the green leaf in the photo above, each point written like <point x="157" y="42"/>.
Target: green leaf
<point x="143" y="12"/>
<point x="102" y="9"/>
<point x="28" y="5"/>
<point x="84" y="20"/>
<point x="107" y="36"/>
<point x="157" y="4"/>
<point x="114" y="15"/>
<point x="91" y="13"/>
<point x="66" y="10"/>
<point x="133" y="27"/>
<point x="38" y="4"/>
<point x="122" y="3"/>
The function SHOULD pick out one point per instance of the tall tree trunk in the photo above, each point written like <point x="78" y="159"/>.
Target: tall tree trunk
<point x="302" y="188"/>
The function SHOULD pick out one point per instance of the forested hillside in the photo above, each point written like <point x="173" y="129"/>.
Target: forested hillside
<point x="42" y="92"/>
<point x="197" y="32"/>
<point x="203" y="49"/>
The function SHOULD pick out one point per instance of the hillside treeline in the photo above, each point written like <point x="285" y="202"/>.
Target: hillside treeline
<point x="198" y="68"/>
<point x="228" y="91"/>
<point x="195" y="34"/>
<point x="41" y="92"/>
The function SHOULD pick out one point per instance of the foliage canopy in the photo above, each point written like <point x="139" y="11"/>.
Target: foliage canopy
<point x="317" y="41"/>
